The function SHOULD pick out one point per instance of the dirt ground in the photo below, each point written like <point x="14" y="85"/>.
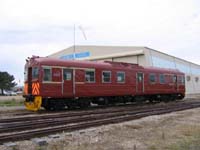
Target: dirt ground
<point x="149" y="133"/>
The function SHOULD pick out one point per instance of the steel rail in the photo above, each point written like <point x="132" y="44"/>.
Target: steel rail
<point x="93" y="122"/>
<point x="77" y="113"/>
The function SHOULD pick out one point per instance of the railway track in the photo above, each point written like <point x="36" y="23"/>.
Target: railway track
<point x="14" y="129"/>
<point x="62" y="119"/>
<point x="28" y="116"/>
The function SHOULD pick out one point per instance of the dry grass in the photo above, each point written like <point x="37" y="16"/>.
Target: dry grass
<point x="182" y="136"/>
<point x="8" y="98"/>
<point x="11" y="101"/>
<point x="190" y="139"/>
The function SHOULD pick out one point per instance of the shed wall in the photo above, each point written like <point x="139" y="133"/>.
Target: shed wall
<point x="147" y="57"/>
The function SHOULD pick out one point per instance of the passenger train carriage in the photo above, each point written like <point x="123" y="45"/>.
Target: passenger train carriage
<point x="55" y="83"/>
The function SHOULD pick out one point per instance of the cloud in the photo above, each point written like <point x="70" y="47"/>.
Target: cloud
<point x="41" y="35"/>
<point x="13" y="56"/>
<point x="38" y="27"/>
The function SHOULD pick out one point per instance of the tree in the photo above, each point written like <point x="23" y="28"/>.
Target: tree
<point x="6" y="81"/>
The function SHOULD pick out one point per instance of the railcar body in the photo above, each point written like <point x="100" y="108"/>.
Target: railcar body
<point x="54" y="83"/>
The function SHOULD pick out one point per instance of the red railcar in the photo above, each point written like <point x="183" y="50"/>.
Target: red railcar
<point x="54" y="83"/>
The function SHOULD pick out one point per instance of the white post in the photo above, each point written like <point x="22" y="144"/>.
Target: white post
<point x="74" y="50"/>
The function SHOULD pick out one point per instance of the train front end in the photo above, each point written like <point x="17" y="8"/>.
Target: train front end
<point x="33" y="99"/>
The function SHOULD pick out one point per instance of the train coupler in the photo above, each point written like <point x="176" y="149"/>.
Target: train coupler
<point x="33" y="103"/>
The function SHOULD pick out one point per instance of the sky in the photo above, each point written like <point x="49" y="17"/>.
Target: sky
<point x="43" y="27"/>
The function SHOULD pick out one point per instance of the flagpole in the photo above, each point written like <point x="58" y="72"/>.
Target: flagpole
<point x="74" y="50"/>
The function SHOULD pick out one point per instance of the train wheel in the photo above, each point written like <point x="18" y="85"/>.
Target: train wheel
<point x="84" y="104"/>
<point x="180" y="96"/>
<point x="150" y="100"/>
<point x="54" y="106"/>
<point x="103" y="101"/>
<point x="72" y="105"/>
<point x="171" y="98"/>
<point x="59" y="106"/>
<point x="165" y="98"/>
<point x="46" y="103"/>
<point x="48" y="107"/>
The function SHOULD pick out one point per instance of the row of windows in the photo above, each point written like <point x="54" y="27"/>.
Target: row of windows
<point x="89" y="76"/>
<point x="163" y="78"/>
<point x="163" y="63"/>
<point x="196" y="79"/>
<point x="106" y="76"/>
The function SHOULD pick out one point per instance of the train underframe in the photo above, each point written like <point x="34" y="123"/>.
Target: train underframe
<point x="35" y="102"/>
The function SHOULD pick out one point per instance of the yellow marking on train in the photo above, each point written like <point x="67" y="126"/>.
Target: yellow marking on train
<point x="35" y="105"/>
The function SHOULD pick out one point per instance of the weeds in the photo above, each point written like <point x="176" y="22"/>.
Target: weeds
<point x="11" y="102"/>
<point x="190" y="142"/>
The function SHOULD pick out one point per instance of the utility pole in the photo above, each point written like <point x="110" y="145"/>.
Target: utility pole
<point x="74" y="50"/>
<point x="84" y="35"/>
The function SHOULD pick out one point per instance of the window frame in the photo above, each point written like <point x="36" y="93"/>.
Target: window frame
<point x="183" y="79"/>
<point x="34" y="75"/>
<point x="44" y="74"/>
<point x="188" y="78"/>
<point x="174" y="78"/>
<point x="71" y="72"/>
<point x="139" y="80"/>
<point x="25" y="73"/>
<point x="196" y="79"/>
<point x="152" y="74"/>
<point x="124" y="74"/>
<point x="162" y="79"/>
<point x="102" y="77"/>
<point x="88" y="70"/>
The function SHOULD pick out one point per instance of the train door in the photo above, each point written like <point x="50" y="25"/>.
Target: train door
<point x="175" y="80"/>
<point x="139" y="82"/>
<point x="67" y="87"/>
<point x="30" y="80"/>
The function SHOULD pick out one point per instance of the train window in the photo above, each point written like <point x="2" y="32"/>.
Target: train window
<point x="162" y="78"/>
<point x="188" y="78"/>
<point x="139" y="77"/>
<point x="47" y="74"/>
<point x="196" y="79"/>
<point x="174" y="78"/>
<point x="106" y="76"/>
<point x="90" y="76"/>
<point x="67" y="74"/>
<point x="179" y="79"/>
<point x="171" y="78"/>
<point x="25" y="74"/>
<point x="183" y="79"/>
<point x="152" y="78"/>
<point x="35" y="73"/>
<point x="167" y="78"/>
<point x="120" y="77"/>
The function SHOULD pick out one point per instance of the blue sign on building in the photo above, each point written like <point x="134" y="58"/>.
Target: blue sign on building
<point x="75" y="56"/>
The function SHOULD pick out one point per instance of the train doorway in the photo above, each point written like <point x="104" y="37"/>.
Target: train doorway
<point x="175" y="80"/>
<point x="67" y="82"/>
<point x="139" y="82"/>
<point x="30" y="80"/>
